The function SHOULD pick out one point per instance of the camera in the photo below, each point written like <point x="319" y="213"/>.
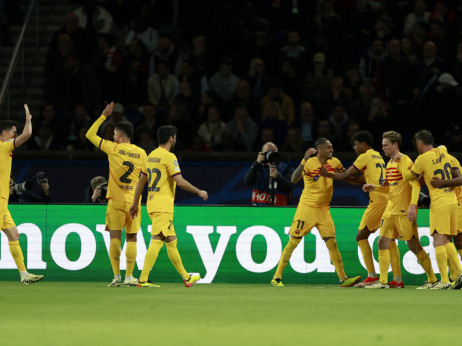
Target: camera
<point x="40" y="177"/>
<point x="23" y="187"/>
<point x="103" y="190"/>
<point x="273" y="158"/>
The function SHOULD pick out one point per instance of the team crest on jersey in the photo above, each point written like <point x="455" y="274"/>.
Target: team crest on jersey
<point x="316" y="178"/>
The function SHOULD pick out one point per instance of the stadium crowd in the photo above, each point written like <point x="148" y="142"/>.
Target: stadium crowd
<point x="233" y="75"/>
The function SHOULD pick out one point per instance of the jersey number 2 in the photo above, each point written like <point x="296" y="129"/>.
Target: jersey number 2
<point x="153" y="187"/>
<point x="124" y="176"/>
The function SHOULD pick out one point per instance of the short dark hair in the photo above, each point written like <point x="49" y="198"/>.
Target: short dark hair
<point x="424" y="136"/>
<point x="363" y="137"/>
<point x="7" y="125"/>
<point x="126" y="128"/>
<point x="393" y="137"/>
<point x="165" y="132"/>
<point x="320" y="141"/>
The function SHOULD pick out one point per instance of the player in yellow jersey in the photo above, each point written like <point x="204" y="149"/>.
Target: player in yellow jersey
<point x="9" y="141"/>
<point x="371" y="166"/>
<point x="456" y="183"/>
<point x="436" y="162"/>
<point x="126" y="162"/>
<point x="401" y="212"/>
<point x="313" y="209"/>
<point x="162" y="173"/>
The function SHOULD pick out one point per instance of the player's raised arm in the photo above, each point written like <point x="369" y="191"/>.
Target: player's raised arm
<point x="138" y="191"/>
<point x="27" y="131"/>
<point x="187" y="186"/>
<point x="93" y="130"/>
<point x="298" y="173"/>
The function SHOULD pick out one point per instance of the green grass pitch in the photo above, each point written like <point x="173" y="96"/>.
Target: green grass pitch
<point x="82" y="313"/>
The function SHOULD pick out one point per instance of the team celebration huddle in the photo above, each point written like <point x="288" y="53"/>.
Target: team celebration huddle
<point x="393" y="189"/>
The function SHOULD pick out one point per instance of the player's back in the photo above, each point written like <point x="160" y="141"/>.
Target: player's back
<point x="318" y="189"/>
<point x="372" y="166"/>
<point x="161" y="167"/>
<point x="437" y="163"/>
<point x="126" y="162"/>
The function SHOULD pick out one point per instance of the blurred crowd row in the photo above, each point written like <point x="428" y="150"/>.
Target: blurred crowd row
<point x="232" y="75"/>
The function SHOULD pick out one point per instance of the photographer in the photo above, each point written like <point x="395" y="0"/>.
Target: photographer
<point x="96" y="192"/>
<point x="23" y="192"/>
<point x="270" y="178"/>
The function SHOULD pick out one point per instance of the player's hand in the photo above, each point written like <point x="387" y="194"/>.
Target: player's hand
<point x="133" y="211"/>
<point x="28" y="115"/>
<point x="108" y="110"/>
<point x="437" y="182"/>
<point x="309" y="152"/>
<point x="368" y="187"/>
<point x="203" y="194"/>
<point x="323" y="171"/>
<point x="273" y="172"/>
<point x="412" y="213"/>
<point x="260" y="157"/>
<point x="385" y="183"/>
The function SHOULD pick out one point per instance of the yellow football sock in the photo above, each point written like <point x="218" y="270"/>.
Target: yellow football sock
<point x="367" y="255"/>
<point x="453" y="260"/>
<point x="285" y="257"/>
<point x="150" y="259"/>
<point x="18" y="257"/>
<point x="384" y="264"/>
<point x="426" y="264"/>
<point x="336" y="258"/>
<point x="395" y="259"/>
<point x="130" y="253"/>
<point x="175" y="258"/>
<point x="442" y="260"/>
<point x="114" y="255"/>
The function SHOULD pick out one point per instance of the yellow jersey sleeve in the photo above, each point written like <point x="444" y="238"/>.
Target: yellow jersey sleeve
<point x="93" y="130"/>
<point x="173" y="167"/>
<point x="361" y="162"/>
<point x="6" y="157"/>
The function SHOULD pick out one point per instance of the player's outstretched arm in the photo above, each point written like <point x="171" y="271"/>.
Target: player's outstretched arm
<point x="298" y="173"/>
<point x="27" y="131"/>
<point x="93" y="130"/>
<point x="187" y="186"/>
<point x="133" y="211"/>
<point x="350" y="176"/>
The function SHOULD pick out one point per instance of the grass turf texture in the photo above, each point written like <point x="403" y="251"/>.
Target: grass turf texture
<point x="56" y="313"/>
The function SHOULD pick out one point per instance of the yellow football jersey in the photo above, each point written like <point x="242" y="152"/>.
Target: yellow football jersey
<point x="372" y="166"/>
<point x="161" y="167"/>
<point x="318" y="189"/>
<point x="6" y="157"/>
<point x="401" y="193"/>
<point x="436" y="162"/>
<point x="126" y="162"/>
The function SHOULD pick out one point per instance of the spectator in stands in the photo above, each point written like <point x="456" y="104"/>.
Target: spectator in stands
<point x="144" y="32"/>
<point x="294" y="140"/>
<point x="178" y="117"/>
<point x="377" y="119"/>
<point x="211" y="129"/>
<point x="428" y="68"/>
<point x="339" y="122"/>
<point x="324" y="129"/>
<point x="167" y="53"/>
<point x="96" y="191"/>
<point x="224" y="83"/>
<point x="200" y="56"/>
<point x="420" y="15"/>
<point x="308" y="124"/>
<point x="228" y="144"/>
<point x="257" y="79"/>
<point x="81" y="143"/>
<point x="106" y="63"/>
<point x="162" y="87"/>
<point x="319" y="78"/>
<point x="361" y="107"/>
<point x="285" y="102"/>
<point x="295" y="51"/>
<point x="44" y="139"/>
<point x="198" y="144"/>
<point x="292" y="82"/>
<point x="241" y="96"/>
<point x="48" y="116"/>
<point x="271" y="183"/>
<point x="369" y="63"/>
<point x="207" y="101"/>
<point x="243" y="129"/>
<point x="150" y="117"/>
<point x="80" y="119"/>
<point x="95" y="19"/>
<point x="443" y="42"/>
<point x="145" y="138"/>
<point x="133" y="82"/>
<point x="272" y="118"/>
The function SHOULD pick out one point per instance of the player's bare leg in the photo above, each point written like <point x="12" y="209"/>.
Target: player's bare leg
<point x="13" y="241"/>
